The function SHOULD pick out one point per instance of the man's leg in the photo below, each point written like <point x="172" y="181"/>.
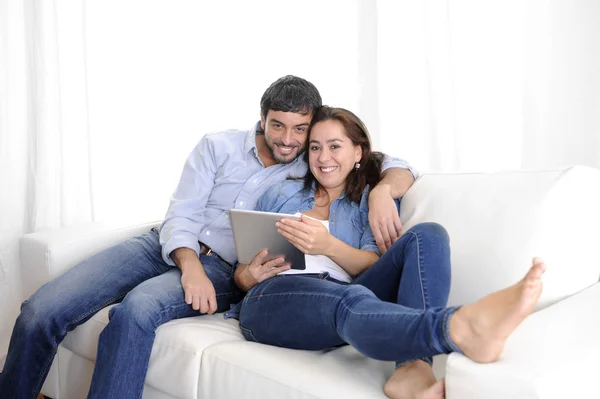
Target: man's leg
<point x="126" y="342"/>
<point x="68" y="301"/>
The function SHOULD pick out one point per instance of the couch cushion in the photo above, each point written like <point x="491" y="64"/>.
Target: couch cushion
<point x="498" y="221"/>
<point x="176" y="355"/>
<point x="239" y="369"/>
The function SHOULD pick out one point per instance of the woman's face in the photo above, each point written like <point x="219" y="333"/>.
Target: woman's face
<point x="331" y="154"/>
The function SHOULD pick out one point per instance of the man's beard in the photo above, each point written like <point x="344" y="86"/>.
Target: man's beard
<point x="286" y="160"/>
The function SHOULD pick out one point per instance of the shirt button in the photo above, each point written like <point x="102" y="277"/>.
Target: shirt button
<point x="208" y="233"/>
<point x="241" y="203"/>
<point x="254" y="181"/>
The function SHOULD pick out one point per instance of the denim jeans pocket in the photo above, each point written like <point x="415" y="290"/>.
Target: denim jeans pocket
<point x="248" y="334"/>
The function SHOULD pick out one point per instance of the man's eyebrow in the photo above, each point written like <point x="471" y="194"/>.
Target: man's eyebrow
<point x="281" y="123"/>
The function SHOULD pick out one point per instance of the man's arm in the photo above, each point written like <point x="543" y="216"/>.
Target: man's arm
<point x="396" y="182"/>
<point x="396" y="178"/>
<point x="185" y="217"/>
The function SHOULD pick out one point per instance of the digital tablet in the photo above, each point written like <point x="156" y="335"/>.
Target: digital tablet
<point x="254" y="231"/>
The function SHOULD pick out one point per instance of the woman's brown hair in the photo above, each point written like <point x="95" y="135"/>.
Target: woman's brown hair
<point x="369" y="171"/>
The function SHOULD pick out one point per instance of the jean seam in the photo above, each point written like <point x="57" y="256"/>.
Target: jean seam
<point x="286" y="294"/>
<point x="423" y="295"/>
<point x="446" y="330"/>
<point x="48" y="363"/>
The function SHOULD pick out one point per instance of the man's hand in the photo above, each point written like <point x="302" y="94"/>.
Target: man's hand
<point x="198" y="289"/>
<point x="309" y="235"/>
<point x="383" y="217"/>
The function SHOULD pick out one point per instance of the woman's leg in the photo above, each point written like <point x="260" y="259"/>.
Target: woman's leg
<point x="414" y="272"/>
<point x="312" y="313"/>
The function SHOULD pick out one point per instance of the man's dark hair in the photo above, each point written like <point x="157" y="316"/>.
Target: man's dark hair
<point x="291" y="94"/>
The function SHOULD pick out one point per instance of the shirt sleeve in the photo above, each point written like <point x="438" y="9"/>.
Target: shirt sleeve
<point x="185" y="217"/>
<point x="367" y="241"/>
<point x="393" y="162"/>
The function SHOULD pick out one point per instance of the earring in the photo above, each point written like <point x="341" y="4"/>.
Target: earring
<point x="356" y="165"/>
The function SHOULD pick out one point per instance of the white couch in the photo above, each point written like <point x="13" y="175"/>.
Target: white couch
<point x="497" y="223"/>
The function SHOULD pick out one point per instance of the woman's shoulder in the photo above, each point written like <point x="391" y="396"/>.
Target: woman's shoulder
<point x="287" y="187"/>
<point x="279" y="193"/>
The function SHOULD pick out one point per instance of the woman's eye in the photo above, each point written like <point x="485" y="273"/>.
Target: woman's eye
<point x="335" y="147"/>
<point x="314" y="148"/>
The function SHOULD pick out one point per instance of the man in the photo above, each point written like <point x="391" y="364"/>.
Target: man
<point x="183" y="269"/>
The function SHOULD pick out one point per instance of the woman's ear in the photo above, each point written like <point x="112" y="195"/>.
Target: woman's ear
<point x="358" y="155"/>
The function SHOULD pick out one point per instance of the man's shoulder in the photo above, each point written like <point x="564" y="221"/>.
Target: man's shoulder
<point x="226" y="136"/>
<point x="224" y="141"/>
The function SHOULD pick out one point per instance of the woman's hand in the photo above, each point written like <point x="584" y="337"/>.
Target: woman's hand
<point x="309" y="235"/>
<point x="257" y="271"/>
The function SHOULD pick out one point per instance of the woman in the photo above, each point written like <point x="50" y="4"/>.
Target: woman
<point x="395" y="308"/>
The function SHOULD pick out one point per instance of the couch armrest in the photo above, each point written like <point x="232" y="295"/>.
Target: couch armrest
<point x="48" y="254"/>
<point x="554" y="353"/>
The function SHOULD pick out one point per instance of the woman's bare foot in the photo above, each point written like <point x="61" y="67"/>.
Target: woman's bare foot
<point x="481" y="329"/>
<point x="414" y="380"/>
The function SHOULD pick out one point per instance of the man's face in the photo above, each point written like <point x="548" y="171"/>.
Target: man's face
<point x="285" y="134"/>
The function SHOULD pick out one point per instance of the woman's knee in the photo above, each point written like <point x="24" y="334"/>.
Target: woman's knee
<point x="354" y="293"/>
<point x="431" y="230"/>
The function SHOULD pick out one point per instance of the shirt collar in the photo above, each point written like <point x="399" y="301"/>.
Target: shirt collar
<point x="251" y="138"/>
<point x="310" y="193"/>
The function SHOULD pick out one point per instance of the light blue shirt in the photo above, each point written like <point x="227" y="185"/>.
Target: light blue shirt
<point x="348" y="221"/>
<point x="223" y="172"/>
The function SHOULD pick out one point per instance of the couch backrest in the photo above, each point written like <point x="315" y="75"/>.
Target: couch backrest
<point x="498" y="222"/>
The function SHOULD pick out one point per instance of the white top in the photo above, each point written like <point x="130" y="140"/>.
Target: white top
<point x="321" y="264"/>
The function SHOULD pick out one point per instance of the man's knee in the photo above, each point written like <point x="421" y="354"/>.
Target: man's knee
<point x="138" y="309"/>
<point x="38" y="314"/>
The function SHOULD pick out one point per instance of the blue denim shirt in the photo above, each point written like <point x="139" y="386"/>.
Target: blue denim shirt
<point x="224" y="171"/>
<point x="348" y="221"/>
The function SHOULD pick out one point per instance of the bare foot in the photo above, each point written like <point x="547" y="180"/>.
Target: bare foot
<point x="481" y="329"/>
<point x="414" y="380"/>
<point x="436" y="391"/>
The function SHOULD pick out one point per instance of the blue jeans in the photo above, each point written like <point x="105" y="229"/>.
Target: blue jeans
<point x="393" y="311"/>
<point x="150" y="294"/>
